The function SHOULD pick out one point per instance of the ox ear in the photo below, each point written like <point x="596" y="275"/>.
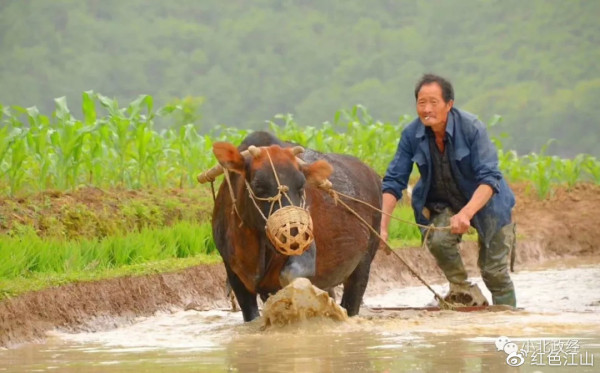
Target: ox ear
<point x="229" y="156"/>
<point x="317" y="172"/>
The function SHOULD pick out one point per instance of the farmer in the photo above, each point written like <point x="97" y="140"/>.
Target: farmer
<point x="460" y="186"/>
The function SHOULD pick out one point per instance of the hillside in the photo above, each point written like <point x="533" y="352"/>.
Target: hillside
<point x="533" y="62"/>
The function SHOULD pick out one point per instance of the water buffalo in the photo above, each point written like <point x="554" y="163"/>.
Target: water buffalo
<point x="343" y="247"/>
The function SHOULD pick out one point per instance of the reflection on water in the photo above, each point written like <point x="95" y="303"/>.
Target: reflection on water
<point x="558" y="303"/>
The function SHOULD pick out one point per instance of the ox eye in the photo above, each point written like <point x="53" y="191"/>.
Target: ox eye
<point x="260" y="191"/>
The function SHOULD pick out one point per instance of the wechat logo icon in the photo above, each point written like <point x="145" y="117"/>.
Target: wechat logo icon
<point x="514" y="358"/>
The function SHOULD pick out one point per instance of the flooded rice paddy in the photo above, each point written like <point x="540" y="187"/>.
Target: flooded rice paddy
<point x="558" y="329"/>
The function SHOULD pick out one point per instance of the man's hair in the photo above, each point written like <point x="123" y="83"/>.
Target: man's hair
<point x="447" y="90"/>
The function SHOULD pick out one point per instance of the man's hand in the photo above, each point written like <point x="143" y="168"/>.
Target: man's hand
<point x="384" y="234"/>
<point x="460" y="223"/>
<point x="388" y="204"/>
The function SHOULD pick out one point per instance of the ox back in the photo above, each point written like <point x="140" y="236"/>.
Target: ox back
<point x="344" y="246"/>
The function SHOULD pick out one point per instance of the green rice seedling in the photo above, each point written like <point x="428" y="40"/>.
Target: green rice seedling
<point x="13" y="257"/>
<point x="27" y="254"/>
<point x="403" y="233"/>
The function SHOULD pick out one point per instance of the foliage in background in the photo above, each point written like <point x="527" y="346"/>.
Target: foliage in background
<point x="400" y="233"/>
<point x="120" y="147"/>
<point x="353" y="132"/>
<point x="55" y="237"/>
<point x="535" y="62"/>
<point x="50" y="240"/>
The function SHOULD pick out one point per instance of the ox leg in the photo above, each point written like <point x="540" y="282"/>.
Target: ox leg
<point x="355" y="286"/>
<point x="246" y="299"/>
<point x="299" y="266"/>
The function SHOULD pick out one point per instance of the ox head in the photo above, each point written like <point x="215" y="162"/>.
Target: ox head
<point x="275" y="180"/>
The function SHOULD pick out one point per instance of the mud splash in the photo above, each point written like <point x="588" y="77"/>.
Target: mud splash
<point x="564" y="225"/>
<point x="413" y="340"/>
<point x="298" y="302"/>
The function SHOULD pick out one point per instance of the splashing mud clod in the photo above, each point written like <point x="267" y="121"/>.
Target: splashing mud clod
<point x="300" y="301"/>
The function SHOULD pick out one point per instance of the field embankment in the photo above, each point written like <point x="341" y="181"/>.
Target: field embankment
<point x="561" y="226"/>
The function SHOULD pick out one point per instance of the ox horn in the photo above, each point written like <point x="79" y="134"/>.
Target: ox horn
<point x="211" y="174"/>
<point x="297" y="150"/>
<point x="254" y="151"/>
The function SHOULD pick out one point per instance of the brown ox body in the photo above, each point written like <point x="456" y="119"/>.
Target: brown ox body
<point x="343" y="248"/>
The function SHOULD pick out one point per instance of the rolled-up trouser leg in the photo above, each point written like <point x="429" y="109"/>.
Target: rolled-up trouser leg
<point x="444" y="247"/>
<point x="493" y="263"/>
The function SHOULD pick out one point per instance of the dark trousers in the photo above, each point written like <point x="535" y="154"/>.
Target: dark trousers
<point x="493" y="258"/>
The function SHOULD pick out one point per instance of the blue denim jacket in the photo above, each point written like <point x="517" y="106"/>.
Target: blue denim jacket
<point x="473" y="159"/>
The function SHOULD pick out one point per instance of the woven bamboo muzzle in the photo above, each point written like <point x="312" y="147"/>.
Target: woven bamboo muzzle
<point x="290" y="230"/>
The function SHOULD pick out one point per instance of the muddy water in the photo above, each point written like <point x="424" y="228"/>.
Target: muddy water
<point x="561" y="308"/>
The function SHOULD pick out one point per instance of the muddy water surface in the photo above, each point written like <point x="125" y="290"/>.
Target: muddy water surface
<point x="561" y="308"/>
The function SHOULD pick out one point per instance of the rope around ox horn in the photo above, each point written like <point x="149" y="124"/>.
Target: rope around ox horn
<point x="289" y="228"/>
<point x="327" y="186"/>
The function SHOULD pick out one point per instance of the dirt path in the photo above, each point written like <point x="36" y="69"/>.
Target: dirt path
<point x="565" y="225"/>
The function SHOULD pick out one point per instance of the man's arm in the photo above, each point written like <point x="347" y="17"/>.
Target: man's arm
<point x="461" y="222"/>
<point x="485" y="165"/>
<point x="388" y="204"/>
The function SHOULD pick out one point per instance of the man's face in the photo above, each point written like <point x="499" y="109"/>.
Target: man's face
<point x="431" y="107"/>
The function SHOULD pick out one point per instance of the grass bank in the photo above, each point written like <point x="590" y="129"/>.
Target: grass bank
<point x="29" y="263"/>
<point x="53" y="238"/>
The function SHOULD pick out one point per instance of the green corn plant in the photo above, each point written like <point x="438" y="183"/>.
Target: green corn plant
<point x="511" y="165"/>
<point x="147" y="143"/>
<point x="570" y="170"/>
<point x="591" y="166"/>
<point x="120" y="136"/>
<point x="542" y="171"/>
<point x="38" y="140"/>
<point x="352" y="132"/>
<point x="88" y="107"/>
<point x="96" y="152"/>
<point x="64" y="152"/>
<point x="68" y="143"/>
<point x="17" y="157"/>
<point x="142" y="143"/>
<point x="191" y="152"/>
<point x="8" y="137"/>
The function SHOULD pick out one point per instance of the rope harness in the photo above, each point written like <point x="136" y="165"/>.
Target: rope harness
<point x="290" y="227"/>
<point x="327" y="186"/>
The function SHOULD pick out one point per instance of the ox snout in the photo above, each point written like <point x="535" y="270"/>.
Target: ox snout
<point x="290" y="230"/>
<point x="299" y="266"/>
